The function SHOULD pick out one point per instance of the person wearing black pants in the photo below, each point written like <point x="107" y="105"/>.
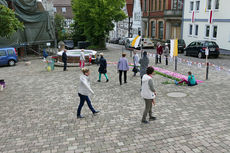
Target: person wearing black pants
<point x="123" y="66"/>
<point x="64" y="59"/>
<point x="120" y="76"/>
<point x="166" y="53"/>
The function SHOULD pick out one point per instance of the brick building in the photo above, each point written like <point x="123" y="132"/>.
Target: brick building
<point x="161" y="19"/>
<point x="64" y="8"/>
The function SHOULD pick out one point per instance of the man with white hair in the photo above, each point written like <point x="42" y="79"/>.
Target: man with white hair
<point x="166" y="53"/>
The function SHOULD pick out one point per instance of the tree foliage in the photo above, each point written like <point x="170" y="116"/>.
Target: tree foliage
<point x="78" y="33"/>
<point x="97" y="17"/>
<point x="59" y="27"/>
<point x="9" y="24"/>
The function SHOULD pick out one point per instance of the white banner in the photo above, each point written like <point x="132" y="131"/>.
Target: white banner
<point x="171" y="47"/>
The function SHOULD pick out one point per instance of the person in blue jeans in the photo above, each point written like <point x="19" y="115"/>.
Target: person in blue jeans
<point x="84" y="91"/>
<point x="191" y="80"/>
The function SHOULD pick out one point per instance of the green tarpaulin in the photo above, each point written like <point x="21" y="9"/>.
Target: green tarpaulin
<point x="39" y="28"/>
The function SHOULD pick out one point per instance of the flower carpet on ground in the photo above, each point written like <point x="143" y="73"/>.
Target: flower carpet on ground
<point x="166" y="72"/>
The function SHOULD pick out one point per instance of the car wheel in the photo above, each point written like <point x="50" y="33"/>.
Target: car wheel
<point x="200" y="55"/>
<point x="11" y="62"/>
<point x="185" y="53"/>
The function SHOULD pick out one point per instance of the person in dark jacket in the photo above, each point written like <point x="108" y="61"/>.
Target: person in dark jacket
<point x="159" y="52"/>
<point x="64" y="59"/>
<point x="144" y="62"/>
<point x="103" y="68"/>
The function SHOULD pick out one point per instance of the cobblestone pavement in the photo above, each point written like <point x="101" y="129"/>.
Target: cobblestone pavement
<point x="38" y="112"/>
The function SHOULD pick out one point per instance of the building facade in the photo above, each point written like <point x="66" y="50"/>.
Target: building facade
<point x="123" y="28"/>
<point x="162" y="19"/>
<point x="207" y="20"/>
<point x="63" y="7"/>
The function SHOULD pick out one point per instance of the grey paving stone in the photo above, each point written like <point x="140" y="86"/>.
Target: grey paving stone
<point x="38" y="111"/>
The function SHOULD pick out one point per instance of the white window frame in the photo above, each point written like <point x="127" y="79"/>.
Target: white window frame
<point x="191" y="5"/>
<point x="54" y="9"/>
<point x="63" y="9"/>
<point x="206" y="30"/>
<point x="196" y="6"/>
<point x="213" y="32"/>
<point x="196" y="25"/>
<point x="215" y="5"/>
<point x="190" y="29"/>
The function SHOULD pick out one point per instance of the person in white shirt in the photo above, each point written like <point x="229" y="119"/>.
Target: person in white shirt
<point x="84" y="90"/>
<point x="148" y="93"/>
<point x="82" y="59"/>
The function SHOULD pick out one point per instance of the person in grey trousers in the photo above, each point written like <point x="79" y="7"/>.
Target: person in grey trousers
<point x="123" y="66"/>
<point x="144" y="62"/>
<point x="166" y="53"/>
<point x="148" y="93"/>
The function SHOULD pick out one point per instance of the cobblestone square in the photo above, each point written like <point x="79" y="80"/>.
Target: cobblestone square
<point x="38" y="112"/>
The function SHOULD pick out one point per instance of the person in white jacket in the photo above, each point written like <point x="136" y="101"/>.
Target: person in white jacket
<point x="148" y="93"/>
<point x="82" y="59"/>
<point x="84" y="90"/>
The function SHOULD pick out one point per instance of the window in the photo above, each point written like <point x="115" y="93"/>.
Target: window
<point x="191" y="6"/>
<point x="161" y="30"/>
<point x="209" y="4"/>
<point x="174" y="4"/>
<point x="180" y="4"/>
<point x="55" y="10"/>
<point x="63" y="10"/>
<point x="190" y="29"/>
<point x="10" y="52"/>
<point x="197" y="5"/>
<point x="159" y="4"/>
<point x="217" y="4"/>
<point x="196" y="30"/>
<point x="152" y="5"/>
<point x="155" y="5"/>
<point x="153" y="34"/>
<point x="207" y="31"/>
<point x="145" y="5"/>
<point x="2" y="53"/>
<point x="214" y="34"/>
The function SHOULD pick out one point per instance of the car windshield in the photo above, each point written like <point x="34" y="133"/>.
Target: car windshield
<point x="180" y="41"/>
<point x="210" y="43"/>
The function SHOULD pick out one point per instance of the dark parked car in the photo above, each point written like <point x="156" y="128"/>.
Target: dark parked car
<point x="69" y="44"/>
<point x="197" y="48"/>
<point x="181" y="45"/>
<point x="116" y="41"/>
<point x="8" y="56"/>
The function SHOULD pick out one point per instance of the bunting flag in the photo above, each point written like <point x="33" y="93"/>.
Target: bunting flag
<point x="210" y="17"/>
<point x="193" y="16"/>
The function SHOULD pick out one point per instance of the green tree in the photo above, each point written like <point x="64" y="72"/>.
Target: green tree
<point x="97" y="17"/>
<point x="78" y="33"/>
<point x="9" y="24"/>
<point x="59" y="26"/>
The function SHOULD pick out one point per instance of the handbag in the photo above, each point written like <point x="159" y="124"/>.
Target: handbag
<point x="135" y="69"/>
